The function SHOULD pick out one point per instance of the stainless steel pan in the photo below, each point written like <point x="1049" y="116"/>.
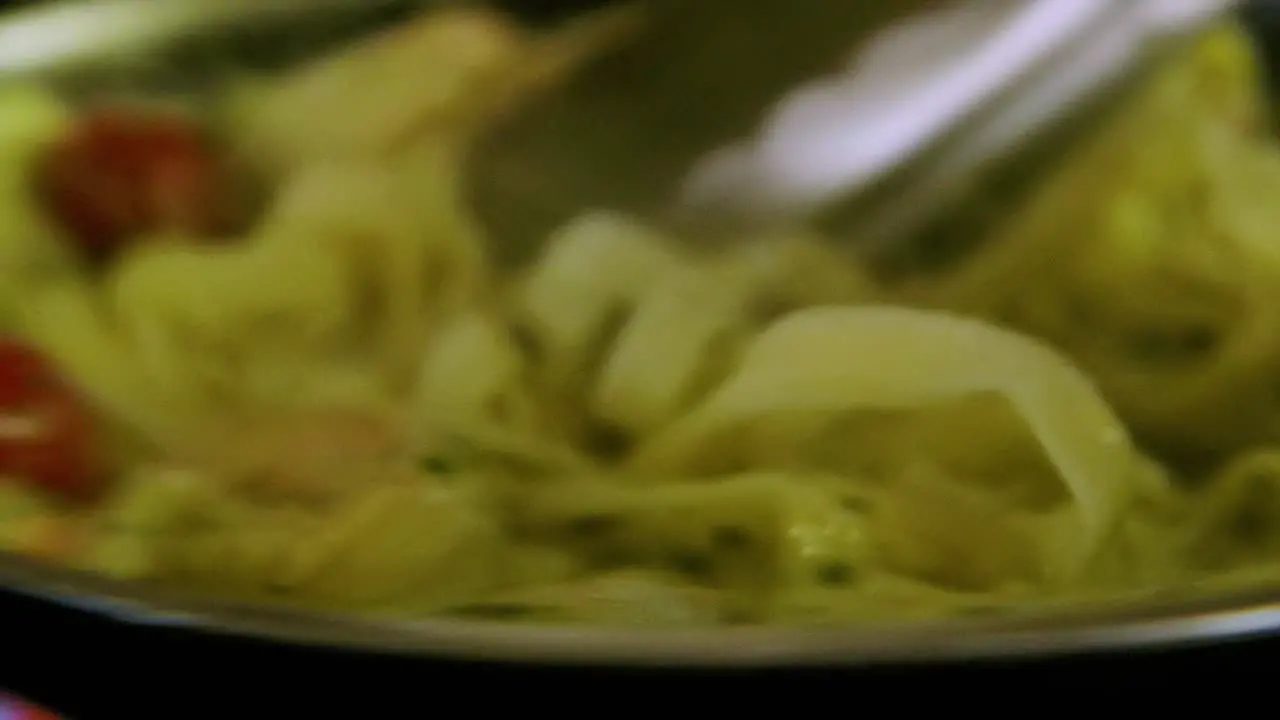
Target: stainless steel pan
<point x="177" y="42"/>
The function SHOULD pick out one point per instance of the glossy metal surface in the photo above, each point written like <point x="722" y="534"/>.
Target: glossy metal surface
<point x="1116" y="626"/>
<point x="75" y="54"/>
<point x="881" y="113"/>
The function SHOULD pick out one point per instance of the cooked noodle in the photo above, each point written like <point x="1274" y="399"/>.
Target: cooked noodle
<point x="350" y="405"/>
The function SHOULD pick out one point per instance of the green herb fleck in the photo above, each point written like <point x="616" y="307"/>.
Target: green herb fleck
<point x="437" y="465"/>
<point x="835" y="574"/>
<point x="730" y="537"/>
<point x="593" y="527"/>
<point x="855" y="503"/>
<point x="497" y="611"/>
<point x="692" y="564"/>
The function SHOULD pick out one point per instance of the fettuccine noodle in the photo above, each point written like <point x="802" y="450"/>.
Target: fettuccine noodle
<point x="348" y="403"/>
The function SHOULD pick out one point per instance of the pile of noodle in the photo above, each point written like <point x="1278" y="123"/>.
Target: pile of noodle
<point x="627" y="432"/>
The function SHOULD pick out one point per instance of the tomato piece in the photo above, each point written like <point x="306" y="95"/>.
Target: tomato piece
<point x="47" y="436"/>
<point x="120" y="173"/>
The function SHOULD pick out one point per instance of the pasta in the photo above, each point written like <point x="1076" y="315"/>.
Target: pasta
<point x="345" y="401"/>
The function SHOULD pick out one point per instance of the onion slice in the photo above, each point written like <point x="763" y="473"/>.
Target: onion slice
<point x="875" y="357"/>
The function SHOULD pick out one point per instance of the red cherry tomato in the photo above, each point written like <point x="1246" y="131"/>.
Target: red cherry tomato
<point x="121" y="173"/>
<point x="47" y="437"/>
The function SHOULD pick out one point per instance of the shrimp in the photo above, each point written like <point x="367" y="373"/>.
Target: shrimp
<point x="312" y="455"/>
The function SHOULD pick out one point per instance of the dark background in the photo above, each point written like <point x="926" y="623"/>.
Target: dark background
<point x="90" y="667"/>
